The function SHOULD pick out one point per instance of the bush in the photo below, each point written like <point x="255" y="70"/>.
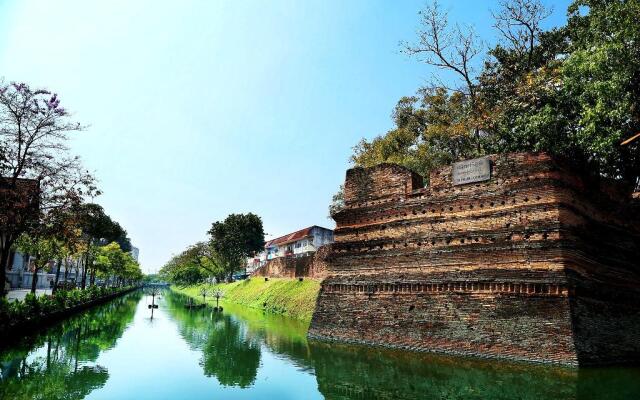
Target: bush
<point x="61" y="298"/>
<point x="32" y="308"/>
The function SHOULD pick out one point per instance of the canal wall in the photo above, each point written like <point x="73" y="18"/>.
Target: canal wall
<point x="310" y="266"/>
<point x="536" y="263"/>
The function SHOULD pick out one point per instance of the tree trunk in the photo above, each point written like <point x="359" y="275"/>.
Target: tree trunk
<point x="6" y="241"/>
<point x="66" y="271"/>
<point x="4" y="259"/>
<point x="48" y="353"/>
<point x="93" y="277"/>
<point x="84" y="270"/>
<point x="76" y="278"/>
<point x="34" y="279"/>
<point x="55" y="282"/>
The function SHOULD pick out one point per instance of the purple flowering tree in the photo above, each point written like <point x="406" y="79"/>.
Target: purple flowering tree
<point x="37" y="174"/>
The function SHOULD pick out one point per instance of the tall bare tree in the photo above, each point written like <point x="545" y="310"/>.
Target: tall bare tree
<point x="453" y="48"/>
<point x="34" y="131"/>
<point x="520" y="25"/>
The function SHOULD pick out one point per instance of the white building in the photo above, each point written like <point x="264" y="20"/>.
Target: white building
<point x="20" y="273"/>
<point x="135" y="252"/>
<point x="296" y="244"/>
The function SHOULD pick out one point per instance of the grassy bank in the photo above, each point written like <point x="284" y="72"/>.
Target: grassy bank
<point x="288" y="297"/>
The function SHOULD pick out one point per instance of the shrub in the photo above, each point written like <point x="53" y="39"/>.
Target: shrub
<point x="14" y="313"/>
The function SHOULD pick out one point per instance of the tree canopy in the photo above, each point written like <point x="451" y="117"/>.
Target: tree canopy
<point x="237" y="237"/>
<point x="230" y="242"/>
<point x="571" y="91"/>
<point x="34" y="131"/>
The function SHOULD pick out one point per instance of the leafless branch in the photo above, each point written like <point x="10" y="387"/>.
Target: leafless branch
<point x="519" y="23"/>
<point x="452" y="48"/>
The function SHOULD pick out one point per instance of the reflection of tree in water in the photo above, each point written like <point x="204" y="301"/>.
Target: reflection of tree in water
<point x="229" y="353"/>
<point x="229" y="356"/>
<point x="230" y="349"/>
<point x="58" y="381"/>
<point x="52" y="365"/>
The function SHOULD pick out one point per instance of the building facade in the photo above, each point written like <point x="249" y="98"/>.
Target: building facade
<point x="300" y="243"/>
<point x="20" y="273"/>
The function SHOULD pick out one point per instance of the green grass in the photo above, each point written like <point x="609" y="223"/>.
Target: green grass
<point x="288" y="297"/>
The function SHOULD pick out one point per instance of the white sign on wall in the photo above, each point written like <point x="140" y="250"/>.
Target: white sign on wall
<point x="469" y="171"/>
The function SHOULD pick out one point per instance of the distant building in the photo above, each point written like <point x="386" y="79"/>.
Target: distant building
<point x="296" y="244"/>
<point x="135" y="252"/>
<point x="20" y="272"/>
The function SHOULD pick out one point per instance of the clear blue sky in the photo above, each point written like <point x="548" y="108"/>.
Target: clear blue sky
<point x="199" y="109"/>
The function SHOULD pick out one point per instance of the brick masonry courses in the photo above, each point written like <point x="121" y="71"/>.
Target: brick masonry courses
<point x="536" y="264"/>
<point x="310" y="266"/>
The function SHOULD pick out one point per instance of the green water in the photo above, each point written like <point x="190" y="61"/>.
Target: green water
<point x="117" y="351"/>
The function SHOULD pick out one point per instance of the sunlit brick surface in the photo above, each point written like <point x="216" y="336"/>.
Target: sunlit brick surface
<point x="535" y="264"/>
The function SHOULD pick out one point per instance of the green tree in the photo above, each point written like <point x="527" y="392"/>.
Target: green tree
<point x="98" y="229"/>
<point x="34" y="130"/>
<point x="196" y="264"/>
<point x="233" y="240"/>
<point x="112" y="263"/>
<point x="432" y="130"/>
<point x="43" y="248"/>
<point x="571" y="91"/>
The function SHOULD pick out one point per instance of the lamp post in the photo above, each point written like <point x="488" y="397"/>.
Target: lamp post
<point x="153" y="292"/>
<point x="218" y="293"/>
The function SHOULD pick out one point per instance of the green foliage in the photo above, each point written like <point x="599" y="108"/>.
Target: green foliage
<point x="233" y="240"/>
<point x="196" y="264"/>
<point x="45" y="248"/>
<point x="237" y="237"/>
<point x="289" y="297"/>
<point x="111" y="260"/>
<point x="99" y="227"/>
<point x="33" y="308"/>
<point x="432" y="130"/>
<point x="572" y="91"/>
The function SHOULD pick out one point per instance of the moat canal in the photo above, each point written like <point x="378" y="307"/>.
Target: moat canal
<point x="116" y="351"/>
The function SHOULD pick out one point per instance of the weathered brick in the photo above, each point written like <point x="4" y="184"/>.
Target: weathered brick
<point x="538" y="263"/>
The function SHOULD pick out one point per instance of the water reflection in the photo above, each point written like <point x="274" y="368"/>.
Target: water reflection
<point x="244" y="353"/>
<point x="228" y="352"/>
<point x="356" y="372"/>
<point x="57" y="363"/>
<point x="346" y="372"/>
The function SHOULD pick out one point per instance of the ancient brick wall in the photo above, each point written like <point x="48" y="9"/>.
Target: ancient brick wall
<point x="534" y="264"/>
<point x="311" y="266"/>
